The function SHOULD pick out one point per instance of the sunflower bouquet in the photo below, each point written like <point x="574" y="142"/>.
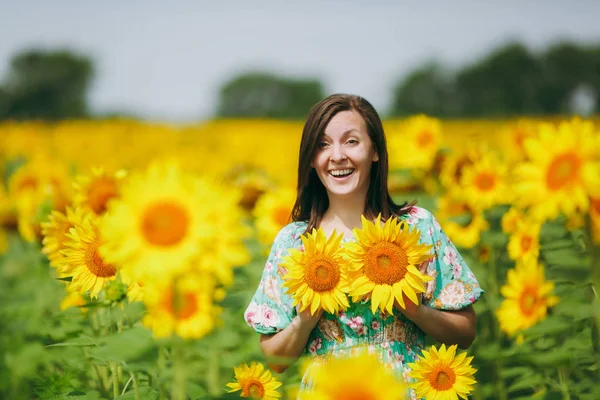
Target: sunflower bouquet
<point x="318" y="276"/>
<point x="384" y="263"/>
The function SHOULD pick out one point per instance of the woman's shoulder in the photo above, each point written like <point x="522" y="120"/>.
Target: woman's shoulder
<point x="292" y="231"/>
<point x="414" y="214"/>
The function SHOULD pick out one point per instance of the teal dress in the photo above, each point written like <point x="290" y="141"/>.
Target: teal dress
<point x="396" y="339"/>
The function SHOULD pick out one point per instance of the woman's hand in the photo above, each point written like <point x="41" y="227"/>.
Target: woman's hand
<point x="411" y="309"/>
<point x="304" y="320"/>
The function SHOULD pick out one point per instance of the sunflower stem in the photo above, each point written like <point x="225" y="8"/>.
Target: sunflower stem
<point x="115" y="379"/>
<point x="161" y="366"/>
<point x="213" y="373"/>
<point x="562" y="380"/>
<point x="493" y="284"/>
<point x="178" y="391"/>
<point x="136" y="386"/>
<point x="595" y="280"/>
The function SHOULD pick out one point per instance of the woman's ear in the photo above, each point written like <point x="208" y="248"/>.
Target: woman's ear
<point x="376" y="157"/>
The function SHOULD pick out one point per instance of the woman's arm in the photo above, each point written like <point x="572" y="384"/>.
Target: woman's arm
<point x="449" y="327"/>
<point x="290" y="342"/>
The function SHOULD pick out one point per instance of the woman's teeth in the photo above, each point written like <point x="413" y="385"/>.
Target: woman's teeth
<point x="341" y="172"/>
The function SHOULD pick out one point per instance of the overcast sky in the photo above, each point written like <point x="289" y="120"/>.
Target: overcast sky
<point x="166" y="60"/>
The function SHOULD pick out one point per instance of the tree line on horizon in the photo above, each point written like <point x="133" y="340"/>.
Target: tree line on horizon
<point x="509" y="81"/>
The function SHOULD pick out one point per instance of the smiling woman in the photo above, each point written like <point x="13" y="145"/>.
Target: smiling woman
<point x="401" y="275"/>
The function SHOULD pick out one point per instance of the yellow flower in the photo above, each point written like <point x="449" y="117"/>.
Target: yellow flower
<point x="385" y="260"/>
<point x="511" y="219"/>
<point x="55" y="231"/>
<point x="272" y="212"/>
<point x="466" y="232"/>
<point x="563" y="170"/>
<point x="527" y="297"/>
<point x="443" y="375"/>
<point x="253" y="182"/>
<point x="159" y="224"/>
<point x="454" y="164"/>
<point x="359" y="376"/>
<point x="484" y="183"/>
<point x="317" y="277"/>
<point x="73" y="299"/>
<point x="82" y="261"/>
<point x="416" y="144"/>
<point x="524" y="242"/>
<point x="255" y="381"/>
<point x="517" y="134"/>
<point x="93" y="191"/>
<point x="183" y="306"/>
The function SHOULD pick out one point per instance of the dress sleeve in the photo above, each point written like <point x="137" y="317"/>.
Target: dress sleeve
<point x="270" y="309"/>
<point x="454" y="286"/>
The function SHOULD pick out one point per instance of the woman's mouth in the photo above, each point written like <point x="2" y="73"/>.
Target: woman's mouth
<point x="341" y="173"/>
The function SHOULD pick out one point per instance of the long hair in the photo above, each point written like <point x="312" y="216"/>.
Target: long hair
<point x="312" y="201"/>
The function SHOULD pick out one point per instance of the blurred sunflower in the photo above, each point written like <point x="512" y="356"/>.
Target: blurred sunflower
<point x="484" y="183"/>
<point x="272" y="212"/>
<point x="358" y="376"/>
<point x="55" y="230"/>
<point x="454" y="164"/>
<point x="92" y="192"/>
<point x="416" y="143"/>
<point x="318" y="276"/>
<point x="183" y="306"/>
<point x="563" y="171"/>
<point x="159" y="224"/>
<point x="82" y="261"/>
<point x="443" y="375"/>
<point x="517" y="134"/>
<point x="385" y="260"/>
<point x="527" y="297"/>
<point x="255" y="381"/>
<point x="511" y="219"/>
<point x="460" y="221"/>
<point x="524" y="242"/>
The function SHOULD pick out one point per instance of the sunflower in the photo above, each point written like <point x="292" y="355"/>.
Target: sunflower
<point x="527" y="297"/>
<point x="563" y="170"/>
<point x="385" y="260"/>
<point x="517" y="134"/>
<point x="255" y="381"/>
<point x="183" y="306"/>
<point x="524" y="242"/>
<point x="357" y="376"/>
<point x="272" y="212"/>
<point x="511" y="219"/>
<point x="443" y="375"/>
<point x="73" y="299"/>
<point x="484" y="183"/>
<point x="318" y="276"/>
<point x="454" y="164"/>
<point x="418" y="141"/>
<point x="159" y="224"/>
<point x="82" y="261"/>
<point x="55" y="230"/>
<point x="93" y="191"/>
<point x="462" y="223"/>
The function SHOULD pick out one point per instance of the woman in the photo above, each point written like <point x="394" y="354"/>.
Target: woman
<point x="342" y="174"/>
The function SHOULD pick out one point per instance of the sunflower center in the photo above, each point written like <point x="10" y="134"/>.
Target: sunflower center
<point x="253" y="389"/>
<point x="424" y="138"/>
<point x="181" y="305"/>
<point x="322" y="274"/>
<point x="442" y="378"/>
<point x="485" y="181"/>
<point x="28" y="183"/>
<point x="386" y="263"/>
<point x="282" y="216"/>
<point x="99" y="193"/>
<point x="165" y="224"/>
<point x="526" y="242"/>
<point x="563" y="170"/>
<point x="96" y="265"/>
<point x="529" y="301"/>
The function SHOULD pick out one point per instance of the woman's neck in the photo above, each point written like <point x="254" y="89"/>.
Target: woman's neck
<point x="343" y="215"/>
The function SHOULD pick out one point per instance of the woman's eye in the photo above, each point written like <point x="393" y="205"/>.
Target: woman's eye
<point x="352" y="141"/>
<point x="323" y="144"/>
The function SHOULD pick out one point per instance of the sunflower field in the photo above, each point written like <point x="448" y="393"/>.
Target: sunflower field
<point x="129" y="252"/>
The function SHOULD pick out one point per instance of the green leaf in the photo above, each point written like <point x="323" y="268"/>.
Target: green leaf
<point x="81" y="341"/>
<point x="146" y="393"/>
<point x="126" y="346"/>
<point x="526" y="382"/>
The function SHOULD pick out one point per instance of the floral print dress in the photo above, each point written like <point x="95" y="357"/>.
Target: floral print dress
<point x="396" y="339"/>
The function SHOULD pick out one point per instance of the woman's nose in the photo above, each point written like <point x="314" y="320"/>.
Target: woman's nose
<point x="337" y="153"/>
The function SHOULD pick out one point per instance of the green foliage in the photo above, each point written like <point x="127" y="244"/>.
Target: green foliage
<point x="265" y="95"/>
<point x="46" y="85"/>
<point x="510" y="81"/>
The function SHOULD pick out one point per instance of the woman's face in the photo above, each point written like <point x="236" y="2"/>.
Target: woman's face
<point x="345" y="155"/>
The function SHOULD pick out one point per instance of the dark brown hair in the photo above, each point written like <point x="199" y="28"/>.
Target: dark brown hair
<point x="312" y="201"/>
